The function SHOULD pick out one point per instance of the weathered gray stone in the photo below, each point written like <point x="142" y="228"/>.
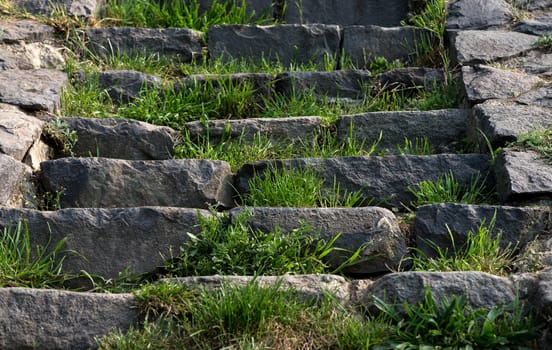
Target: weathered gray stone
<point x="436" y="223"/>
<point x="484" y="46"/>
<point x="541" y="25"/>
<point x="13" y="174"/>
<point x="13" y="31"/>
<point x="18" y="131"/>
<point x="485" y="83"/>
<point x="348" y="84"/>
<point x="32" y="89"/>
<point x="533" y="62"/>
<point x="481" y="290"/>
<point x="534" y="5"/>
<point x="286" y="43"/>
<point x="364" y="43"/>
<point x="539" y="97"/>
<point x="443" y="129"/>
<point x="544" y="306"/>
<point x="520" y="175"/>
<point x="107" y="241"/>
<point x="261" y="83"/>
<point x="38" y="153"/>
<point x="111" y="183"/>
<point x="124" y="86"/>
<point x="386" y="13"/>
<point x="383" y="180"/>
<point x="478" y="14"/>
<point x="31" y="56"/>
<point x="79" y="8"/>
<point x="292" y="129"/>
<point x="121" y="138"/>
<point x="375" y="229"/>
<point x="58" y="319"/>
<point x="13" y="60"/>
<point x="306" y="287"/>
<point x="410" y="79"/>
<point x="180" y="42"/>
<point x="501" y="122"/>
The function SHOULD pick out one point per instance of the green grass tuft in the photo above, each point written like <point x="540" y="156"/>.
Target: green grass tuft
<point x="538" y="140"/>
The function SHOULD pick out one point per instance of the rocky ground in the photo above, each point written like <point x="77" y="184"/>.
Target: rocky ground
<point x="131" y="205"/>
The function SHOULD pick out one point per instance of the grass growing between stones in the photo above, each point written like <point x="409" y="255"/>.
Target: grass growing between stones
<point x="481" y="251"/>
<point x="537" y="140"/>
<point x="179" y="14"/>
<point x="448" y="190"/>
<point x="255" y="317"/>
<point x="22" y="265"/>
<point x="234" y="248"/>
<point x="297" y="188"/>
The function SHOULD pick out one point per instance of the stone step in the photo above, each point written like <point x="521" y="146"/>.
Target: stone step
<point x="59" y="319"/>
<point x="105" y="242"/>
<point x="383" y="181"/>
<point x="374" y="229"/>
<point x="112" y="183"/>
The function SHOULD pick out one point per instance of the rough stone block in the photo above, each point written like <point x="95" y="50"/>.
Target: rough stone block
<point x="80" y="8"/>
<point x="484" y="46"/>
<point x="121" y="138"/>
<point x="362" y="44"/>
<point x="112" y="183"/>
<point x="286" y="43"/>
<point x="178" y="42"/>
<point x="518" y="225"/>
<point x="443" y="129"/>
<point x="125" y="86"/>
<point x="14" y="174"/>
<point x="539" y="97"/>
<point x="478" y="14"/>
<point x="381" y="180"/>
<point x="294" y="129"/>
<point x="35" y="90"/>
<point x="521" y="175"/>
<point x="18" y="131"/>
<point x="375" y="229"/>
<point x="385" y="13"/>
<point x="24" y="30"/>
<point x="107" y="241"/>
<point x="486" y="83"/>
<point x="502" y="122"/>
<point x="58" y="319"/>
<point x="341" y="84"/>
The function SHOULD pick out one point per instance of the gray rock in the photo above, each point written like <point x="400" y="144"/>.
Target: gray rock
<point x="13" y="60"/>
<point x="261" y="83"/>
<point x="284" y="130"/>
<point x="306" y="287"/>
<point x="38" y="153"/>
<point x="124" y="86"/>
<point x="179" y="42"/>
<point x="18" y="131"/>
<point x="539" y="97"/>
<point x="541" y="25"/>
<point x="383" y="13"/>
<point x="111" y="183"/>
<point x="121" y="138"/>
<point x="105" y="242"/>
<point x="364" y="43"/>
<point x="483" y="46"/>
<point x="32" y="89"/>
<point x="80" y="8"/>
<point x="478" y="14"/>
<point x="481" y="290"/>
<point x="348" y="84"/>
<point x="501" y="124"/>
<point x="286" y="43"/>
<point x="520" y="175"/>
<point x="410" y="79"/>
<point x="31" y="56"/>
<point x="375" y="229"/>
<point x="13" y="174"/>
<point x="485" y="83"/>
<point x="533" y="62"/>
<point x="24" y="30"/>
<point x="518" y="226"/>
<point x="383" y="180"/>
<point x="544" y="306"/>
<point x="533" y="5"/>
<point x="58" y="319"/>
<point x="442" y="128"/>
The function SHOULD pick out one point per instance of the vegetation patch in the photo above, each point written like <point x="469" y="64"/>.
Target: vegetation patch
<point x="537" y="140"/>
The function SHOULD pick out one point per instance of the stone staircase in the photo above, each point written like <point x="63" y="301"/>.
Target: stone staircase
<point x="129" y="207"/>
